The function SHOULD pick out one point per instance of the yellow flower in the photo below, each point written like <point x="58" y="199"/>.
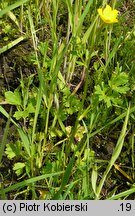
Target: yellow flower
<point x="108" y="15"/>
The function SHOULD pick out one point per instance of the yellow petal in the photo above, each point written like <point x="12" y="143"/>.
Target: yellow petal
<point x="107" y="11"/>
<point x="100" y="11"/>
<point x="115" y="13"/>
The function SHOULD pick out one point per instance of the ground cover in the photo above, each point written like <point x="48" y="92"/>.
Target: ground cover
<point x="67" y="102"/>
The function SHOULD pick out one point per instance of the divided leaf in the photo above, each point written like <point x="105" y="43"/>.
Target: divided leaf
<point x="12" y="150"/>
<point x="25" y="113"/>
<point x="102" y="94"/>
<point x="119" y="82"/>
<point x="13" y="98"/>
<point x="18" y="168"/>
<point x="112" y="92"/>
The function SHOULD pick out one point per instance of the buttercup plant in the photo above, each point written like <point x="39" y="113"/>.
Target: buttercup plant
<point x="108" y="16"/>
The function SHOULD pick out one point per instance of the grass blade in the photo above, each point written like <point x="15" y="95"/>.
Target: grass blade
<point x="11" y="44"/>
<point x="23" y="136"/>
<point x="2" y="146"/>
<point x="25" y="140"/>
<point x="115" y="154"/>
<point x="123" y="194"/>
<point x="65" y="178"/>
<point x="112" y="122"/>
<point x="28" y="181"/>
<point x="11" y="7"/>
<point x="86" y="10"/>
<point x="4" y="112"/>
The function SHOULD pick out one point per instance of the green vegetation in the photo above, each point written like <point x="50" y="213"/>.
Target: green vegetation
<point x="67" y="103"/>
